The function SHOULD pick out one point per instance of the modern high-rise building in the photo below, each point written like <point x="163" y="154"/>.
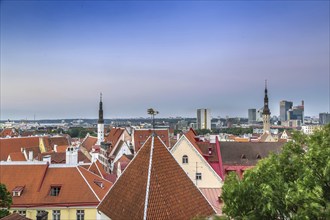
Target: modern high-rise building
<point x="296" y="112"/>
<point x="324" y="118"/>
<point x="252" y="115"/>
<point x="284" y="108"/>
<point x="203" y="119"/>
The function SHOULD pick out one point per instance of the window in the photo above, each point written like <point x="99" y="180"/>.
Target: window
<point x="80" y="214"/>
<point x="56" y="214"/>
<point x="18" y="190"/>
<point x="198" y="176"/>
<point x="22" y="212"/>
<point x="55" y="190"/>
<point x="185" y="159"/>
<point x="99" y="183"/>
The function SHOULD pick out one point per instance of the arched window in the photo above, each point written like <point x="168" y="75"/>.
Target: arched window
<point x="184" y="159"/>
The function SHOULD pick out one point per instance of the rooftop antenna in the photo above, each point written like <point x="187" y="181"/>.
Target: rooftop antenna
<point x="152" y="112"/>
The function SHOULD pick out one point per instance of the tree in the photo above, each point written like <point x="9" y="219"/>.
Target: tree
<point x="5" y="201"/>
<point x="294" y="184"/>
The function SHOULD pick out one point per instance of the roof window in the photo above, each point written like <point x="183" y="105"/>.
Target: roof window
<point x="243" y="156"/>
<point x="18" y="190"/>
<point x="55" y="190"/>
<point x="258" y="156"/>
<point x="99" y="183"/>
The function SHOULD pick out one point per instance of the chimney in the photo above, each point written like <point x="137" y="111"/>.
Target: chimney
<point x="177" y="136"/>
<point x="71" y="155"/>
<point x="47" y="158"/>
<point x="30" y="155"/>
<point x="55" y="147"/>
<point x="118" y="169"/>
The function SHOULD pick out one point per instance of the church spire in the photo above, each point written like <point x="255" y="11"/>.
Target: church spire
<point x="266" y="110"/>
<point x="101" y="121"/>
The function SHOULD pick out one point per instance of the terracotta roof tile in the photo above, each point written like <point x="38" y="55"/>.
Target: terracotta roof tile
<point x="114" y="136"/>
<point x="17" y="156"/>
<point x="50" y="142"/>
<point x="38" y="180"/>
<point x="172" y="195"/>
<point x="212" y="195"/>
<point x="97" y="168"/>
<point x="89" y="142"/>
<point x="12" y="145"/>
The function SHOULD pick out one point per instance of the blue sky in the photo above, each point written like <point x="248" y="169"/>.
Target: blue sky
<point x="57" y="56"/>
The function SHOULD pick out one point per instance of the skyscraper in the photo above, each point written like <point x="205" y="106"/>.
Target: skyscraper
<point x="203" y="119"/>
<point x="284" y="108"/>
<point x="252" y="115"/>
<point x="324" y="118"/>
<point x="100" y="124"/>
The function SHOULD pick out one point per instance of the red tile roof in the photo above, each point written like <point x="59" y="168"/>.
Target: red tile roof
<point x="141" y="135"/>
<point x="49" y="142"/>
<point x="114" y="136"/>
<point x="89" y="142"/>
<point x="8" y="132"/>
<point x="38" y="180"/>
<point x="17" y="156"/>
<point x="171" y="193"/>
<point x="97" y="168"/>
<point x="212" y="195"/>
<point x="12" y="145"/>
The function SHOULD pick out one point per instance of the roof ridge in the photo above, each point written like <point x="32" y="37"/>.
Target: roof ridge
<point x="88" y="183"/>
<point x="148" y="180"/>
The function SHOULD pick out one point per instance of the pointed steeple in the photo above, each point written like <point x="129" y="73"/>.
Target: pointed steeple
<point x="101" y="121"/>
<point x="266" y="110"/>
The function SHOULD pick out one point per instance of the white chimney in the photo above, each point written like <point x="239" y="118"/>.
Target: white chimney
<point x="118" y="169"/>
<point x="55" y="147"/>
<point x="177" y="136"/>
<point x="47" y="158"/>
<point x="71" y="155"/>
<point x="94" y="157"/>
<point x="30" y="155"/>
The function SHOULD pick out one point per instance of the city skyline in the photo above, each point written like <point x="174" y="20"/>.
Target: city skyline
<point x="176" y="57"/>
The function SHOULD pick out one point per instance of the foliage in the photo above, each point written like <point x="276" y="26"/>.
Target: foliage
<point x="236" y="131"/>
<point x="80" y="132"/>
<point x="5" y="201"/>
<point x="203" y="131"/>
<point x="294" y="184"/>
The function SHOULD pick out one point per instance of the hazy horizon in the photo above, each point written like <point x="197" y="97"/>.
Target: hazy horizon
<point x="57" y="56"/>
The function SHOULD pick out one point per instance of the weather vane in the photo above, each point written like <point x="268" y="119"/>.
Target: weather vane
<point x="152" y="112"/>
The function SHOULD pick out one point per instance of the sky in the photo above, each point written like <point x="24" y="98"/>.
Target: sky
<point x="176" y="57"/>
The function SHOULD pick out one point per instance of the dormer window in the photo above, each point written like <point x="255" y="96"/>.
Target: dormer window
<point x="258" y="156"/>
<point x="99" y="183"/>
<point x="210" y="150"/>
<point x="243" y="156"/>
<point x="55" y="190"/>
<point x="184" y="159"/>
<point x="18" y="190"/>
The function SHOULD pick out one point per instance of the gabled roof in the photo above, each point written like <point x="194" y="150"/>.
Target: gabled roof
<point x="154" y="186"/>
<point x="97" y="168"/>
<point x="12" y="145"/>
<point x="114" y="136"/>
<point x="8" y="132"/>
<point x="89" y="142"/>
<point x="141" y="135"/>
<point x="38" y="180"/>
<point x="49" y="142"/>
<point x="190" y="135"/>
<point x="124" y="160"/>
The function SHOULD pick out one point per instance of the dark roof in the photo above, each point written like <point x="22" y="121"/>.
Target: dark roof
<point x="172" y="195"/>
<point x="15" y="216"/>
<point x="247" y="153"/>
